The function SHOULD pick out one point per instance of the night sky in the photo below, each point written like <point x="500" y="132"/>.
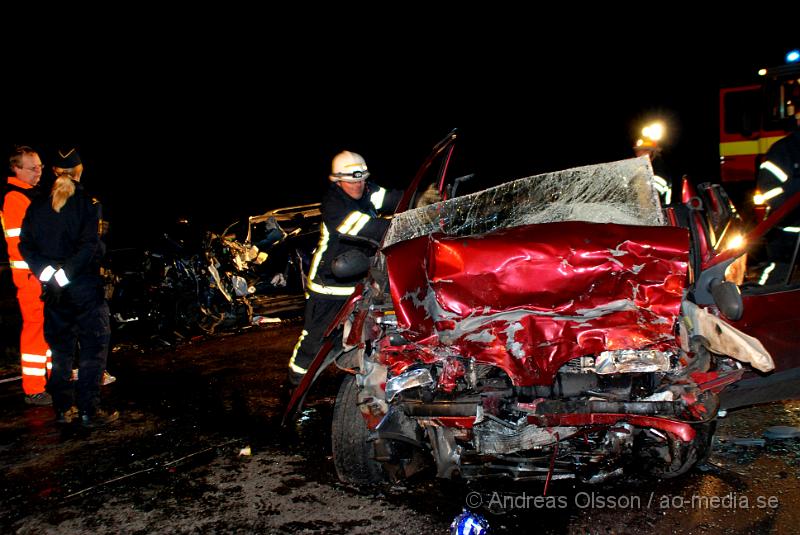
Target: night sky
<point x="216" y="136"/>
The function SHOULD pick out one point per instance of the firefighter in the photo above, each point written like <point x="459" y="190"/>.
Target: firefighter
<point x="779" y="179"/>
<point x="35" y="354"/>
<point x="779" y="174"/>
<point x="61" y="242"/>
<point x="350" y="207"/>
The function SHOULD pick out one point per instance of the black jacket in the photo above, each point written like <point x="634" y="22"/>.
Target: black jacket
<point x="68" y="239"/>
<point x="781" y="169"/>
<point x="344" y="216"/>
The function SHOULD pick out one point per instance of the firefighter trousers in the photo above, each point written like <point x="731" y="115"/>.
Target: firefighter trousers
<point x="34" y="352"/>
<point x="319" y="313"/>
<point x="80" y="321"/>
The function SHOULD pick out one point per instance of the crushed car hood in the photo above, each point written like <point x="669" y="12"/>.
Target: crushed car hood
<point x="534" y="272"/>
<point x="530" y="298"/>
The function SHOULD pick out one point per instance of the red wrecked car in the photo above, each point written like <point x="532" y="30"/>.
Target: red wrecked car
<point x="551" y="327"/>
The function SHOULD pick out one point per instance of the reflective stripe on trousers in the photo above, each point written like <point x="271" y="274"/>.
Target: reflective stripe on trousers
<point x="34" y="351"/>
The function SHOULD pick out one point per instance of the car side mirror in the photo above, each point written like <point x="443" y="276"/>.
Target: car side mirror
<point x="350" y="264"/>
<point x="728" y="299"/>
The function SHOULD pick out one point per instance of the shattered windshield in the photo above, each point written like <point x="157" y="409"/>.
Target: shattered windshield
<point x="617" y="192"/>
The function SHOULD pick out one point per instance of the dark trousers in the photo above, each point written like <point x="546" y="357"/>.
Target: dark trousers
<point x="79" y="321"/>
<point x="320" y="311"/>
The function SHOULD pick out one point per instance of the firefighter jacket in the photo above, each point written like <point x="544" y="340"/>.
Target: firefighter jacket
<point x="343" y="216"/>
<point x="779" y="174"/>
<point x="661" y="181"/>
<point x="67" y="240"/>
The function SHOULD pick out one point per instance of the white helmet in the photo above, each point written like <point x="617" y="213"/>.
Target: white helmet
<point x="348" y="167"/>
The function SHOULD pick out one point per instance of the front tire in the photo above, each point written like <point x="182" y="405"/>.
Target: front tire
<point x="353" y="456"/>
<point x="675" y="458"/>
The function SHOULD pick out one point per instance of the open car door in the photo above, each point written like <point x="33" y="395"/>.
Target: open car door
<point x="766" y="269"/>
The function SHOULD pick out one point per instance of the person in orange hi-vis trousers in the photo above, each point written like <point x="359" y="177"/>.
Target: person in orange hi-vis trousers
<point x="35" y="353"/>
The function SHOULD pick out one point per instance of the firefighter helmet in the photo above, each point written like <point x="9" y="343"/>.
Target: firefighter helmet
<point x="646" y="144"/>
<point x="348" y="167"/>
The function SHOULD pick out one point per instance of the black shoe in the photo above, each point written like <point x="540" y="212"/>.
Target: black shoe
<point x="294" y="378"/>
<point x="99" y="419"/>
<point x="41" y="399"/>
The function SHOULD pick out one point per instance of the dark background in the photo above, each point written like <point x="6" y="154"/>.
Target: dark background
<point x="203" y="132"/>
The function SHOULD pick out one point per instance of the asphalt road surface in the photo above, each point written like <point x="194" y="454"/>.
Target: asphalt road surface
<point x="199" y="449"/>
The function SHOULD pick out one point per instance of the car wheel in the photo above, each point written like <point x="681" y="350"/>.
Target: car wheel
<point x="673" y="458"/>
<point x="353" y="456"/>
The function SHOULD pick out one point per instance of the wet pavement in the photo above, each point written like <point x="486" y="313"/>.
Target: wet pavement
<point x="199" y="449"/>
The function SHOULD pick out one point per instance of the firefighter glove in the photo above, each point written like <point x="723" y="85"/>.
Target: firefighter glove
<point x="429" y="196"/>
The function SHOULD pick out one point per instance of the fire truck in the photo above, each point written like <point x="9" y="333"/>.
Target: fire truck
<point x="753" y="117"/>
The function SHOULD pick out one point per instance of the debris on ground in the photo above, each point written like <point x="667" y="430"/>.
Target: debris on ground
<point x="261" y="320"/>
<point x="782" y="432"/>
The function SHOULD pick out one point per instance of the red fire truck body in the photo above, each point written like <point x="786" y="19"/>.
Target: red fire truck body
<point x="753" y="117"/>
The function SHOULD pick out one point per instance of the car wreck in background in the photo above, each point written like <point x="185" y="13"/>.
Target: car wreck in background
<point x="557" y="326"/>
<point x="191" y="282"/>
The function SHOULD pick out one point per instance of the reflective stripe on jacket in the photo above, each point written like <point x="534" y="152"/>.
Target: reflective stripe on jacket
<point x="68" y="240"/>
<point x="16" y="201"/>
<point x="779" y="173"/>
<point x="344" y="216"/>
